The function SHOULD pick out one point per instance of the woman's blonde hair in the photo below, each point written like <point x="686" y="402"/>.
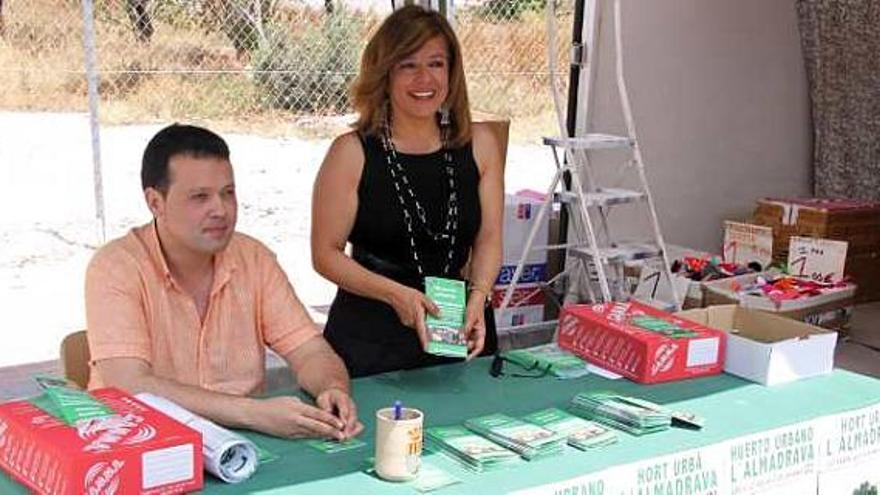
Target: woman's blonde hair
<point x="401" y="34"/>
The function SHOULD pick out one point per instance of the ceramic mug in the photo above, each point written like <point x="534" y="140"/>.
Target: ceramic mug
<point x="398" y="444"/>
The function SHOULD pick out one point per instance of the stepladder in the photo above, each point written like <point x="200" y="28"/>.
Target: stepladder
<point x="597" y="174"/>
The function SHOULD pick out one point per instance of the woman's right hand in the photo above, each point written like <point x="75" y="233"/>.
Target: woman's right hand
<point x="411" y="306"/>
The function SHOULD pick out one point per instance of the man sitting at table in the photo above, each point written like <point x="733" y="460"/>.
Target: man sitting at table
<point x="183" y="306"/>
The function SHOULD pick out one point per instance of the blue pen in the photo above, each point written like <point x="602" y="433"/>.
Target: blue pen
<point x="398" y="410"/>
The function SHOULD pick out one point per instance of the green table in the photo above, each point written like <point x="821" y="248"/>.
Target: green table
<point x="734" y="408"/>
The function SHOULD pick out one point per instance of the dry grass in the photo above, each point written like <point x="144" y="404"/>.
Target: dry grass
<point x="187" y="72"/>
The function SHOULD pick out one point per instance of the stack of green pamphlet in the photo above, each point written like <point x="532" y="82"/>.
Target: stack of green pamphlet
<point x="526" y="439"/>
<point x="682" y="419"/>
<point x="557" y="361"/>
<point x="621" y="412"/>
<point x="70" y="405"/>
<point x="661" y="326"/>
<point x="578" y="432"/>
<point x="472" y="450"/>
<point x="445" y="332"/>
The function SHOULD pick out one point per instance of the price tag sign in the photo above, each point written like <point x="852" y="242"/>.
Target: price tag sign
<point x="818" y="259"/>
<point x="744" y="243"/>
<point x="653" y="284"/>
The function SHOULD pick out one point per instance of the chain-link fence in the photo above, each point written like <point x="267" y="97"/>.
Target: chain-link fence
<point x="247" y="61"/>
<point x="505" y="51"/>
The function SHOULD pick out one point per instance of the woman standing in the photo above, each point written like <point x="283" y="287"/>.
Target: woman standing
<point x="417" y="189"/>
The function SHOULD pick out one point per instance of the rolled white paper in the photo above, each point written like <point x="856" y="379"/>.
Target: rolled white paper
<point x="227" y="455"/>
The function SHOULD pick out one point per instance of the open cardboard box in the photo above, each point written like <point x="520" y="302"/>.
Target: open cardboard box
<point x="696" y="295"/>
<point x="831" y="309"/>
<point x="767" y="348"/>
<point x="692" y="291"/>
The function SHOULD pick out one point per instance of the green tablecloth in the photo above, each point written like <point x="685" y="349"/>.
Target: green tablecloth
<point x="450" y="394"/>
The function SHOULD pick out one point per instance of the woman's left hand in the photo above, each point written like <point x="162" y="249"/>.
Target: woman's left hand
<point x="475" y="324"/>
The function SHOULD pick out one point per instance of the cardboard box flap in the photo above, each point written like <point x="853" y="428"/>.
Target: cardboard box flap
<point x="720" y="317"/>
<point x="773" y="328"/>
<point x="755" y="325"/>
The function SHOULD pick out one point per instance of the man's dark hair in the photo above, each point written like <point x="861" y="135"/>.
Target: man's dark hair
<point x="175" y="140"/>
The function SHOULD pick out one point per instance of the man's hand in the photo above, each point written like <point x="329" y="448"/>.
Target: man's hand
<point x="321" y="373"/>
<point x="338" y="403"/>
<point x="290" y="417"/>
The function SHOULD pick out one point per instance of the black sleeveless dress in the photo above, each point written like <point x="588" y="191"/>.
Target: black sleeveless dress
<point x="366" y="333"/>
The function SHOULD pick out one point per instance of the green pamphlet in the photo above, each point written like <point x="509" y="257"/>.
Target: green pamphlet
<point x="578" y="432"/>
<point x="445" y="332"/>
<point x="550" y="357"/>
<point x="329" y="446"/>
<point x="526" y="439"/>
<point x="681" y="419"/>
<point x="429" y="479"/>
<point x="663" y="327"/>
<point x="265" y="455"/>
<point x="470" y="449"/>
<point x="432" y="478"/>
<point x="70" y="405"/>
<point x="46" y="380"/>
<point x="617" y="411"/>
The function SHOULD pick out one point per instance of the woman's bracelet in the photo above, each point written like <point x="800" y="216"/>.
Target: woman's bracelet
<point x="482" y="289"/>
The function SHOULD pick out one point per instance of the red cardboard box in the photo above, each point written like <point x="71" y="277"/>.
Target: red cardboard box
<point x="606" y="335"/>
<point x="139" y="450"/>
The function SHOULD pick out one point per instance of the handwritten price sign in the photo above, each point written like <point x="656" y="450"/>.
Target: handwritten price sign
<point x="819" y="259"/>
<point x="653" y="284"/>
<point x="744" y="243"/>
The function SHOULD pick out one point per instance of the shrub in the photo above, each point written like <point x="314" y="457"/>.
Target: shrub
<point x="310" y="72"/>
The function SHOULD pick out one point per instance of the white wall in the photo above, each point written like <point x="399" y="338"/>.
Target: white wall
<point x="719" y="94"/>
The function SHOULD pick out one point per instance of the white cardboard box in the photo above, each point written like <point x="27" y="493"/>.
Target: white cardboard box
<point x="522" y="315"/>
<point x="520" y="214"/>
<point x="520" y="311"/>
<point x="767" y="348"/>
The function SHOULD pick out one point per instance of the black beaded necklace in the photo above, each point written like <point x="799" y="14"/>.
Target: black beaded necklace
<point x="404" y="190"/>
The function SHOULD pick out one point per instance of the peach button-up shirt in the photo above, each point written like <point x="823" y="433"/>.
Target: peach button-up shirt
<point x="135" y="309"/>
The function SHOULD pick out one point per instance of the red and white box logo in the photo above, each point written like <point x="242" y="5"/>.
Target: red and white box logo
<point x="640" y="342"/>
<point x="137" y="451"/>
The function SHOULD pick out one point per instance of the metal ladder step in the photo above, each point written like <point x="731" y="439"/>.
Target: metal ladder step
<point x="604" y="197"/>
<point x="555" y="247"/>
<point x="591" y="142"/>
<point x="621" y="252"/>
